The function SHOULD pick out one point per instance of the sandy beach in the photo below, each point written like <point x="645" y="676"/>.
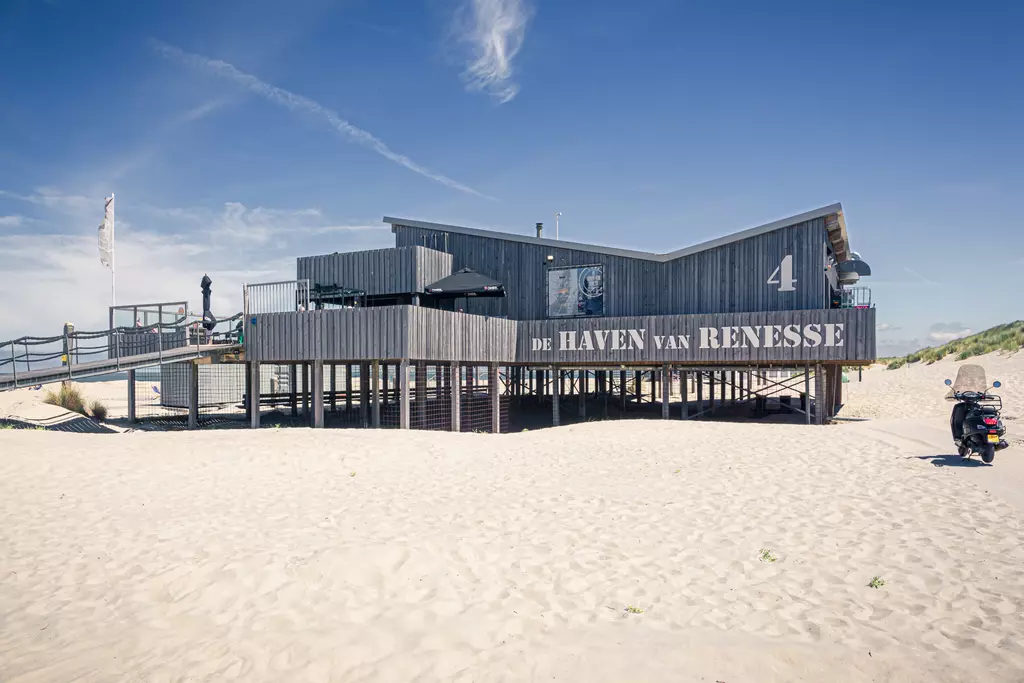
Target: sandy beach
<point x="609" y="551"/>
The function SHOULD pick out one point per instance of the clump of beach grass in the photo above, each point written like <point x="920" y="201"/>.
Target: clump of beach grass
<point x="876" y="582"/>
<point x="634" y="610"/>
<point x="766" y="555"/>
<point x="98" y="410"/>
<point x="68" y="398"/>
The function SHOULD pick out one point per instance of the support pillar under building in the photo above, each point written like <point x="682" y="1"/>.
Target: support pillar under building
<point x="193" y="395"/>
<point x="254" y="394"/>
<point x="494" y="394"/>
<point x="403" y="389"/>
<point x="666" y="390"/>
<point x="131" y="397"/>
<point x="555" y="393"/>
<point x="317" y="393"/>
<point x="456" y="397"/>
<point x="375" y="393"/>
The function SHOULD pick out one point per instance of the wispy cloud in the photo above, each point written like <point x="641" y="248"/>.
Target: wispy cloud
<point x="920" y="277"/>
<point x="494" y="31"/>
<point x="11" y="221"/>
<point x="304" y="105"/>
<point x="162" y="252"/>
<point x="947" y="332"/>
<point x="886" y="327"/>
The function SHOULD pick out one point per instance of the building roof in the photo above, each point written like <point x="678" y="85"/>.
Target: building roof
<point x="835" y="224"/>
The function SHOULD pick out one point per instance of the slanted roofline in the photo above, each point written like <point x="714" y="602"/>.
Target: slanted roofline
<point x="833" y="214"/>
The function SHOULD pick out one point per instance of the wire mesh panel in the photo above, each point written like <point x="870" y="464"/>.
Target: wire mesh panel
<point x="475" y="400"/>
<point x="345" y="402"/>
<point x="430" y="396"/>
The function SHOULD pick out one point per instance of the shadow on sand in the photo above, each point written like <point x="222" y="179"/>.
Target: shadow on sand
<point x="950" y="461"/>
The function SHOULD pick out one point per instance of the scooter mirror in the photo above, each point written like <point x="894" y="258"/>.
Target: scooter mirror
<point x="996" y="384"/>
<point x="949" y="382"/>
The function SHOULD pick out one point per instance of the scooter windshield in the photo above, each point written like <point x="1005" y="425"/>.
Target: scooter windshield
<point x="969" y="378"/>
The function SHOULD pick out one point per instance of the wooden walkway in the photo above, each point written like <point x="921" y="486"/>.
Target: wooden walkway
<point x="107" y="366"/>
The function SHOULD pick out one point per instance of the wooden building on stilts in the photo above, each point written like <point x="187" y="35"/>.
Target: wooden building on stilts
<point x="463" y="329"/>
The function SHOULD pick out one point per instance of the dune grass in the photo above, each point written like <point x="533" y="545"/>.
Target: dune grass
<point x="1008" y="337"/>
<point x="68" y="398"/>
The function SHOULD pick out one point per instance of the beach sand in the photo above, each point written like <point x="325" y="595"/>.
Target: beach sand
<point x="352" y="555"/>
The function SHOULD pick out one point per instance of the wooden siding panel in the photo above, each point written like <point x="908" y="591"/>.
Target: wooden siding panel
<point x="728" y="279"/>
<point x="403" y="270"/>
<point x="397" y="332"/>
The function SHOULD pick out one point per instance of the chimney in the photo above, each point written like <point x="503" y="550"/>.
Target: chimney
<point x="540" y="230"/>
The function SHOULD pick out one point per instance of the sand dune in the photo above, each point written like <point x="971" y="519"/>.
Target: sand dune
<point x="296" y="555"/>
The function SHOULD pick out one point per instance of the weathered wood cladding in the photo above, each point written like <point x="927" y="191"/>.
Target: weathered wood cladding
<point x="399" y="270"/>
<point x="396" y="332"/>
<point x="447" y="336"/>
<point x="857" y="334"/>
<point x="728" y="279"/>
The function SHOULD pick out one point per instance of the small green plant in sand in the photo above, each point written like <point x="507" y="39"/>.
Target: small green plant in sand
<point x="6" y="426"/>
<point x="68" y="398"/>
<point x="351" y="474"/>
<point x="767" y="555"/>
<point x="634" y="610"/>
<point x="678" y="471"/>
<point x="876" y="582"/>
<point x="98" y="410"/>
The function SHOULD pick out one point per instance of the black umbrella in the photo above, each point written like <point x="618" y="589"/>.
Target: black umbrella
<point x="466" y="282"/>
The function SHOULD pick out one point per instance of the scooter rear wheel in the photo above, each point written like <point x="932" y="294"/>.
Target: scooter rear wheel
<point x="989" y="454"/>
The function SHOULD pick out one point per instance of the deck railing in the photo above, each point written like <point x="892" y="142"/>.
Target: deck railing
<point x="284" y="296"/>
<point x="72" y="347"/>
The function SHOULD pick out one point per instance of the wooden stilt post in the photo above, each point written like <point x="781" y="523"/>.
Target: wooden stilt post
<point x="403" y="388"/>
<point x="317" y="393"/>
<point x="666" y="390"/>
<point x="684" y="380"/>
<point x="622" y="388"/>
<point x="555" y="394"/>
<point x="254" y="394"/>
<point x="494" y="393"/>
<point x="364" y="393"/>
<point x="131" y="397"/>
<point x="193" y="396"/>
<point x="456" y="386"/>
<point x="819" y="395"/>
<point x="375" y="393"/>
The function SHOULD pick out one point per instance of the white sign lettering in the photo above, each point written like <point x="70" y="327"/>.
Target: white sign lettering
<point x="729" y="337"/>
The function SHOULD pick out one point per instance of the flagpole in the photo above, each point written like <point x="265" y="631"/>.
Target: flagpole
<point x="113" y="297"/>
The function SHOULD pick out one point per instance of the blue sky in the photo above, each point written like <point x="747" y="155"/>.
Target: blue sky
<point x="240" y="134"/>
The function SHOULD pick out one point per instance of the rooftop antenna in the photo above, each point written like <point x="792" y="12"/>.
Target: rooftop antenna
<point x="558" y="214"/>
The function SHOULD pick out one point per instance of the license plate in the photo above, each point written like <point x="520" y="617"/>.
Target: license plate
<point x="993" y="438"/>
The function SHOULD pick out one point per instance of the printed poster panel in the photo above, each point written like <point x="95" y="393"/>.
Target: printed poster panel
<point x="576" y="292"/>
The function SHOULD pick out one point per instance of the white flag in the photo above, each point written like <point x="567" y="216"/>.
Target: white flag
<point x="106" y="234"/>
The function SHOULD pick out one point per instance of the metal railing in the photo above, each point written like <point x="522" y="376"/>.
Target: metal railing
<point x="25" y="358"/>
<point x="275" y="297"/>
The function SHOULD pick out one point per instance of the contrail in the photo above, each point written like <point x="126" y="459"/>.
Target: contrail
<point x="298" y="103"/>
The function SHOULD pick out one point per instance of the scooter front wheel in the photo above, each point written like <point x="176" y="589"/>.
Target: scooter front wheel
<point x="964" y="451"/>
<point x="989" y="454"/>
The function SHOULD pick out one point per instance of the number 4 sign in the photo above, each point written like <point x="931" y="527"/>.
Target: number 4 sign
<point x="783" y="275"/>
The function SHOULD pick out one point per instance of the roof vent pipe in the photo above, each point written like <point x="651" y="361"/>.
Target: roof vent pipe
<point x="540" y="230"/>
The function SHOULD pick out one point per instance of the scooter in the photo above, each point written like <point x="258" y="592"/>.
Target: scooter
<point x="976" y="424"/>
